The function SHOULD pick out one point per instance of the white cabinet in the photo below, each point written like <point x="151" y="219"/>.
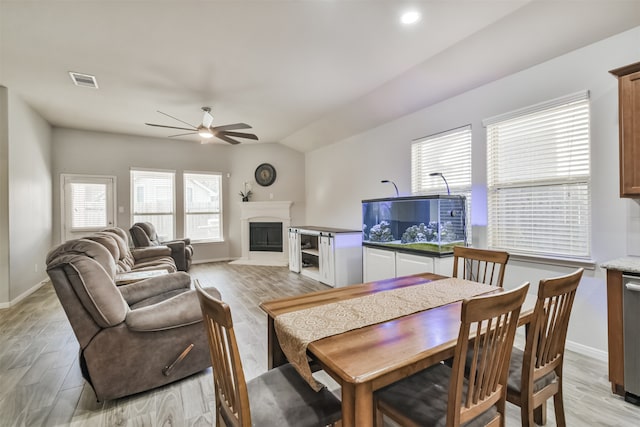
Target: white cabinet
<point x="331" y="256"/>
<point x="380" y="264"/>
<point x="408" y="264"/>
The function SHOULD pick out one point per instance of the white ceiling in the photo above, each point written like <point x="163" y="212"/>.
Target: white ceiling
<point x="302" y="73"/>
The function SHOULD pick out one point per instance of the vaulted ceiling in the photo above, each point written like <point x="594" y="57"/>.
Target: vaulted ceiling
<point x="302" y="73"/>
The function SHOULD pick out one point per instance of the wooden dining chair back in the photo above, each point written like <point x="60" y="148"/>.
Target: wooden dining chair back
<point x="232" y="399"/>
<point x="279" y="397"/>
<point x="480" y="265"/>
<point x="536" y="373"/>
<point x="485" y="340"/>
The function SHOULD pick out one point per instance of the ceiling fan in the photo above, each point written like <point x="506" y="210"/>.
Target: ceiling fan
<point x="224" y="132"/>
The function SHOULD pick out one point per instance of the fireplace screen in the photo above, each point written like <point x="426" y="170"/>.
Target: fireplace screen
<point x="265" y="236"/>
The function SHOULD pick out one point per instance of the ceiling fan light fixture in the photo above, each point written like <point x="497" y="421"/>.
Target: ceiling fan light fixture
<point x="205" y="133"/>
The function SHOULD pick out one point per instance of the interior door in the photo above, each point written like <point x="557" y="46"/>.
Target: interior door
<point x="88" y="204"/>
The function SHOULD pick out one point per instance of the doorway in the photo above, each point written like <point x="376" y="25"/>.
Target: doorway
<point x="88" y="204"/>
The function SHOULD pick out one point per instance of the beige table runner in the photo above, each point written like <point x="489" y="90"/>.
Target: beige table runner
<point x="296" y="329"/>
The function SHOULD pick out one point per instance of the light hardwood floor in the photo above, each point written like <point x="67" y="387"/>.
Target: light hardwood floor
<point x="41" y="385"/>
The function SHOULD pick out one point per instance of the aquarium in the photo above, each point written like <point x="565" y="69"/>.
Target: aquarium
<point x="423" y="224"/>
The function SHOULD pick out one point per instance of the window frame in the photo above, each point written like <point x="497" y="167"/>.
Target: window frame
<point x="186" y="212"/>
<point x="133" y="190"/>
<point x="534" y="182"/>
<point x="438" y="186"/>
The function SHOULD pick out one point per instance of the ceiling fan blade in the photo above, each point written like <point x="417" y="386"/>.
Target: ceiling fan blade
<point x="175" y="118"/>
<point x="182" y="134"/>
<point x="227" y="139"/>
<point x="233" y="126"/>
<point x="170" y="127"/>
<point x="239" y="135"/>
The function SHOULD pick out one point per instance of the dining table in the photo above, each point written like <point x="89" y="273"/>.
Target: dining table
<point x="368" y="358"/>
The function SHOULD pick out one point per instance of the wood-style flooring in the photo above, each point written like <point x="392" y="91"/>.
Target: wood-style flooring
<point x="41" y="384"/>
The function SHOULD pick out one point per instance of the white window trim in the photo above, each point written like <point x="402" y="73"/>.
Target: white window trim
<point x="543" y="258"/>
<point x="439" y="187"/>
<point x="219" y="213"/>
<point x="131" y="194"/>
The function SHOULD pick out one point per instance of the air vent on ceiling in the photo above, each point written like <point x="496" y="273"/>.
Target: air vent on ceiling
<point x="84" y="80"/>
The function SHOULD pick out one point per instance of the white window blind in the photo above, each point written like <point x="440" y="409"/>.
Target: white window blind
<point x="89" y="205"/>
<point x="450" y="154"/>
<point x="202" y="206"/>
<point x="153" y="200"/>
<point x="539" y="179"/>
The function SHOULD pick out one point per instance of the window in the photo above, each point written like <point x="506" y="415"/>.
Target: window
<point x="538" y="179"/>
<point x="153" y="200"/>
<point x="202" y="206"/>
<point x="448" y="153"/>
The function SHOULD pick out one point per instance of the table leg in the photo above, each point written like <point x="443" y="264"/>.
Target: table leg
<point x="275" y="355"/>
<point x="357" y="405"/>
<point x="348" y="405"/>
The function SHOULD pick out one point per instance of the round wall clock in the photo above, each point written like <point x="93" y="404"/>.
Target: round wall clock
<point x="265" y="174"/>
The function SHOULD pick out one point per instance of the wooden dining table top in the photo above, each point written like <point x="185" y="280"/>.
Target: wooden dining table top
<point x="366" y="359"/>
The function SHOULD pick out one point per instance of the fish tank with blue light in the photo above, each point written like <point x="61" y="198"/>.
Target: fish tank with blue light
<point x="422" y="224"/>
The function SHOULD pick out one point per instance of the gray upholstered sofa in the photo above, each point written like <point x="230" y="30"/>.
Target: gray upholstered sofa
<point x="152" y="258"/>
<point x="144" y="235"/>
<point x="134" y="337"/>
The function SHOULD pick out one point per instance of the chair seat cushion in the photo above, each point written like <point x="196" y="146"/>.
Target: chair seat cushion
<point x="515" y="374"/>
<point x="280" y="397"/>
<point x="423" y="398"/>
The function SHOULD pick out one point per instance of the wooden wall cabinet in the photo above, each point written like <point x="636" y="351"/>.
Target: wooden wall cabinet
<point x="629" y="119"/>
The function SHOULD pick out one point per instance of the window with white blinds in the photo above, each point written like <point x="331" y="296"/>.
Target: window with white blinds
<point x="153" y="200"/>
<point x="448" y="153"/>
<point x="539" y="192"/>
<point x="202" y="206"/>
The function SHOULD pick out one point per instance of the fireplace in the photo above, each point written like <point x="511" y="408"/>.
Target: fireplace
<point x="265" y="236"/>
<point x="260" y="244"/>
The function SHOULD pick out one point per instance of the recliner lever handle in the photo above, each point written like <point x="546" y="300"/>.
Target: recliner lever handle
<point x="167" y="369"/>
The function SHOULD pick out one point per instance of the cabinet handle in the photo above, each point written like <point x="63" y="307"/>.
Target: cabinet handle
<point x="630" y="286"/>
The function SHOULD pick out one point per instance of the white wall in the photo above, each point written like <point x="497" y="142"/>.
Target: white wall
<point x="27" y="213"/>
<point x="340" y="175"/>
<point x="97" y="153"/>
<point x="4" y="197"/>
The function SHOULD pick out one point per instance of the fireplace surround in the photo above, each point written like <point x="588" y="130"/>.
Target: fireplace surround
<point x="264" y="212"/>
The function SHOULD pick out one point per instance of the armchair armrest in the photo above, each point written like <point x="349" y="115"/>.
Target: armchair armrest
<point x="148" y="288"/>
<point x="150" y="252"/>
<point x="181" y="310"/>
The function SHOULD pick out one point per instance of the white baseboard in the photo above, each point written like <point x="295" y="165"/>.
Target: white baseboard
<point x="23" y="295"/>
<point x="205" y="261"/>
<point x="594" y="353"/>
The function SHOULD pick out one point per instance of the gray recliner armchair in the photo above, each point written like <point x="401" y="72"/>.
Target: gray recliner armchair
<point x="134" y="337"/>
<point x="144" y="234"/>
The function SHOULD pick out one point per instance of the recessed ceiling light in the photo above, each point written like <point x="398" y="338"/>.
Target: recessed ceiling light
<point x="410" y="17"/>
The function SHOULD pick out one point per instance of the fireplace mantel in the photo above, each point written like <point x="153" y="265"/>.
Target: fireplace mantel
<point x="264" y="212"/>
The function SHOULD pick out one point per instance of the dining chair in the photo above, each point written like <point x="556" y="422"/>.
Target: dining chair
<point x="535" y="374"/>
<point x="479" y="265"/>
<point x="279" y="397"/>
<point x="441" y="395"/>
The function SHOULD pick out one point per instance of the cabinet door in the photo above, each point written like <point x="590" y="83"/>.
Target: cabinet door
<point x="294" y="251"/>
<point x="629" y="116"/>
<point x="407" y="264"/>
<point x="379" y="264"/>
<point x="327" y="262"/>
